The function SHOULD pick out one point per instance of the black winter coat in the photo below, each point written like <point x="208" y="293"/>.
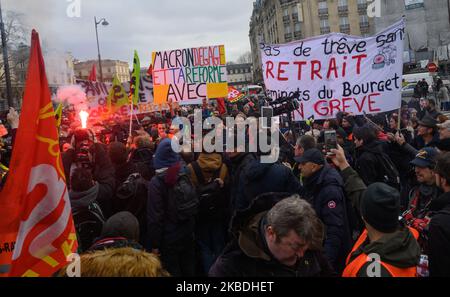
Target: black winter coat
<point x="367" y="163"/>
<point x="259" y="178"/>
<point x="163" y="228"/>
<point x="238" y="169"/>
<point x="439" y="237"/>
<point x="325" y="192"/>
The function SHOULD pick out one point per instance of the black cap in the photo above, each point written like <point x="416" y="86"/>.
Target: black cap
<point x="311" y="155"/>
<point x="428" y="121"/>
<point x="380" y="207"/>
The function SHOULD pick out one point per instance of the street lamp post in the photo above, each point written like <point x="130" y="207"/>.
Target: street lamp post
<point x="104" y="22"/>
<point x="5" y="61"/>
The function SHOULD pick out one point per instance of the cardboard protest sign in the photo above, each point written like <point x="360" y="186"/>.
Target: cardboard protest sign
<point x="189" y="75"/>
<point x="338" y="72"/>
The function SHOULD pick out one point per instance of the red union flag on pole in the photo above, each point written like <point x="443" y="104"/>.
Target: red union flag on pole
<point x="234" y="95"/>
<point x="35" y="213"/>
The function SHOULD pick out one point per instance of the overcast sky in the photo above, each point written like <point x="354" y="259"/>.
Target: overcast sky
<point x="144" y="25"/>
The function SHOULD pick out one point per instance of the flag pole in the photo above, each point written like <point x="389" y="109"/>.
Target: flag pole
<point x="131" y="116"/>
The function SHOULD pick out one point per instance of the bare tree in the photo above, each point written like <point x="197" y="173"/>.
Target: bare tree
<point x="18" y="51"/>
<point x="245" y="58"/>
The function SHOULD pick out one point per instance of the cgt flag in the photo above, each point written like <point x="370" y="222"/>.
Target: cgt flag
<point x="135" y="79"/>
<point x="35" y="213"/>
<point x="234" y="95"/>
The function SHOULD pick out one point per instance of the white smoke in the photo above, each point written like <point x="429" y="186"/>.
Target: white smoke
<point x="74" y="95"/>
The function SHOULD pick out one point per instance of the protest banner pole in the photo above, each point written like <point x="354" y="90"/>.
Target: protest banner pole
<point x="131" y="116"/>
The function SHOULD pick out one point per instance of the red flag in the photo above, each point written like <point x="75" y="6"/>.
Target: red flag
<point x="234" y="95"/>
<point x="221" y="106"/>
<point x="35" y="211"/>
<point x="93" y="74"/>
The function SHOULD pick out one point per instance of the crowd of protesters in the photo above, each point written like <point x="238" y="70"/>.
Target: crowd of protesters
<point x="141" y="209"/>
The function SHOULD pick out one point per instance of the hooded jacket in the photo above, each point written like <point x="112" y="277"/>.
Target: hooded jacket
<point x="163" y="227"/>
<point x="217" y="208"/>
<point x="239" y="167"/>
<point x="399" y="249"/>
<point x="103" y="174"/>
<point x="367" y="162"/>
<point x="209" y="165"/>
<point x="247" y="255"/>
<point x="121" y="230"/>
<point x="80" y="200"/>
<point x="260" y="178"/>
<point x="325" y="192"/>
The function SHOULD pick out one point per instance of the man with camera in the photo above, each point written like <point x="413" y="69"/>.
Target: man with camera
<point x="85" y="153"/>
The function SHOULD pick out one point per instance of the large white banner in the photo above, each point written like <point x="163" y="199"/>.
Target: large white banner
<point x="97" y="94"/>
<point x="338" y="72"/>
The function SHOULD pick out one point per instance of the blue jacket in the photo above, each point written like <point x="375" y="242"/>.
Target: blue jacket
<point x="325" y="192"/>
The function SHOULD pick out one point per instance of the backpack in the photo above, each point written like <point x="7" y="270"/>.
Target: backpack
<point x="391" y="176"/>
<point x="131" y="196"/>
<point x="88" y="224"/>
<point x="212" y="198"/>
<point x="184" y="197"/>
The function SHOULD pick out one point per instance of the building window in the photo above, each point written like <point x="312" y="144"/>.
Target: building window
<point x="286" y="12"/>
<point x="364" y="19"/>
<point x="344" y="21"/>
<point x="362" y="1"/>
<point x="324" y="24"/>
<point x="287" y="29"/>
<point x="297" y="27"/>
<point x="342" y="3"/>
<point x="323" y="5"/>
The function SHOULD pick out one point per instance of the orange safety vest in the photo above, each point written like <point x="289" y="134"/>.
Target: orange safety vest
<point x="352" y="268"/>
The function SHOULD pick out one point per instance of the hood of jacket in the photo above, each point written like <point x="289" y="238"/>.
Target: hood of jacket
<point x="399" y="249"/>
<point x="251" y="240"/>
<point x="83" y="199"/>
<point x="257" y="170"/>
<point x="210" y="162"/>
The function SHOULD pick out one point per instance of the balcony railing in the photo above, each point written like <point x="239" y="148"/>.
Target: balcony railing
<point x="324" y="30"/>
<point x="362" y="8"/>
<point x="365" y="28"/>
<point x="343" y="8"/>
<point x="364" y="24"/>
<point x="323" y="12"/>
<point x="298" y="34"/>
<point x="288" y="36"/>
<point x="345" y="28"/>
